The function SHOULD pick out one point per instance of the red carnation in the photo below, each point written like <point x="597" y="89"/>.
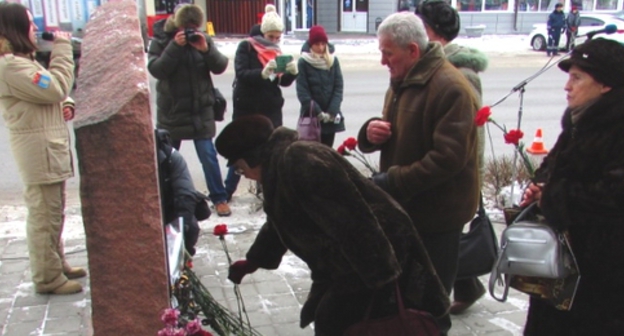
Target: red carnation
<point x="483" y="115"/>
<point x="513" y="136"/>
<point x="350" y="143"/>
<point x="220" y="230"/>
<point x="341" y="149"/>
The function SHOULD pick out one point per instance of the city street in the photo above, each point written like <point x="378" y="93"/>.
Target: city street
<point x="544" y="102"/>
<point x="273" y="298"/>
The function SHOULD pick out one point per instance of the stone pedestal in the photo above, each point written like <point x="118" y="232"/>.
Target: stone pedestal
<point x="118" y="184"/>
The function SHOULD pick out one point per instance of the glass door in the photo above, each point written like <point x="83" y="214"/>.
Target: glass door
<point x="354" y="15"/>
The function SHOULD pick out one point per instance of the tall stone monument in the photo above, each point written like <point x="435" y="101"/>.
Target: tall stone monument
<point x="118" y="176"/>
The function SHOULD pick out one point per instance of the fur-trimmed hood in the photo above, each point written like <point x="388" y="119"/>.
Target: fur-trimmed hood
<point x="463" y="57"/>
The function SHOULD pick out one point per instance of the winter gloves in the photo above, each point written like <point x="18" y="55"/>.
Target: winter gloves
<point x="381" y="180"/>
<point x="241" y="268"/>
<point x="269" y="69"/>
<point x="325" y="117"/>
<point x="292" y="68"/>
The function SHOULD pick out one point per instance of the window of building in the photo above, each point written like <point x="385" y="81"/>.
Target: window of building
<point x="482" y="5"/>
<point x="528" y="5"/>
<point x="606" y="4"/>
<point x="469" y="5"/>
<point x="496" y="5"/>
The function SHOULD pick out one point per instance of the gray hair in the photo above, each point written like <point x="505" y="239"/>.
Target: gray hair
<point x="404" y="28"/>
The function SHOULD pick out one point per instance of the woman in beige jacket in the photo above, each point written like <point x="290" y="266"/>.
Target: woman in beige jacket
<point x="35" y="107"/>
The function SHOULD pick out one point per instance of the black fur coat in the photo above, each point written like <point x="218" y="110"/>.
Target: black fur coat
<point x="584" y="193"/>
<point x="352" y="235"/>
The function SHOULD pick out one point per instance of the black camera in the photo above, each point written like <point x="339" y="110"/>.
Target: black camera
<point x="192" y="35"/>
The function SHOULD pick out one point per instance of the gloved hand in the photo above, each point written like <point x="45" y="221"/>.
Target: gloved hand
<point x="325" y="117"/>
<point x="239" y="269"/>
<point x="381" y="180"/>
<point x="269" y="69"/>
<point x="292" y="68"/>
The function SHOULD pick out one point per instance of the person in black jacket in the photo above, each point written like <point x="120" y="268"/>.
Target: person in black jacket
<point x="178" y="195"/>
<point x="580" y="188"/>
<point x="257" y="86"/>
<point x="556" y="24"/>
<point x="182" y="58"/>
<point x="320" y="85"/>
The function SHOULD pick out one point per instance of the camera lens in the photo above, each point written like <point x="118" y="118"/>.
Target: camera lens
<point x="191" y="35"/>
<point x="193" y="38"/>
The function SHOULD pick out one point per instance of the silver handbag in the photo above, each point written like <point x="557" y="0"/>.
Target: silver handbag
<point x="530" y="248"/>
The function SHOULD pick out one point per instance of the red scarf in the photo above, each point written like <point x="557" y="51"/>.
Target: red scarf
<point x="266" y="52"/>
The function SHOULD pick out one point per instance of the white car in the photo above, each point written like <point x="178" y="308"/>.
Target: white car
<point x="589" y="22"/>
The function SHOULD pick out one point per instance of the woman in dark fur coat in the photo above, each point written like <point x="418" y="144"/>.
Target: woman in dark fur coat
<point x="580" y="187"/>
<point x="355" y="239"/>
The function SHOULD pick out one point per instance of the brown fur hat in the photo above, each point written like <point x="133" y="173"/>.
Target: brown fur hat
<point x="189" y="15"/>
<point x="601" y="58"/>
<point x="243" y="138"/>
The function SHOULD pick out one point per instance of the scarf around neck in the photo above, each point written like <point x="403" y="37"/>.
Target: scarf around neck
<point x="266" y="49"/>
<point x="318" y="61"/>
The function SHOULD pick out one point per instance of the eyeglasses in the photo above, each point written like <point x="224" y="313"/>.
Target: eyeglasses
<point x="239" y="171"/>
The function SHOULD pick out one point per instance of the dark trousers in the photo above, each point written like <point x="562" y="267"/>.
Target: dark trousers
<point x="328" y="139"/>
<point x="554" y="35"/>
<point x="443" y="250"/>
<point x="468" y="290"/>
<point x="570" y="36"/>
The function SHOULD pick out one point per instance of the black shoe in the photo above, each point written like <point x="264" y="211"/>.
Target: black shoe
<point x="459" y="307"/>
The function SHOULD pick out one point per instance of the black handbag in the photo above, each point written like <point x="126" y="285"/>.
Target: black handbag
<point x="478" y="248"/>
<point x="219" y="105"/>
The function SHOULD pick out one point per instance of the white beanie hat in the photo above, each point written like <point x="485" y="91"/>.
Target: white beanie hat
<point x="271" y="21"/>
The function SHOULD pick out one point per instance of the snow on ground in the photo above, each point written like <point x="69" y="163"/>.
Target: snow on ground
<point x="514" y="44"/>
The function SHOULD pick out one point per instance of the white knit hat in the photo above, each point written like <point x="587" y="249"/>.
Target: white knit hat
<point x="271" y="21"/>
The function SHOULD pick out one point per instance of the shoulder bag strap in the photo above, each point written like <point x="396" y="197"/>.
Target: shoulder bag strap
<point x="497" y="276"/>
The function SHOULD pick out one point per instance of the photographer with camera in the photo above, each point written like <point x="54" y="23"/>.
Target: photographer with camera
<point x="182" y="59"/>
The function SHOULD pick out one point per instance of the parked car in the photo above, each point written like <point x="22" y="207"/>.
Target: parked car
<point x="589" y="22"/>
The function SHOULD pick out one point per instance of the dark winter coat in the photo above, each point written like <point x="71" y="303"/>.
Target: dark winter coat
<point x="253" y="94"/>
<point x="431" y="157"/>
<point x="573" y="21"/>
<point x="556" y="21"/>
<point x="470" y="62"/>
<point x="353" y="237"/>
<point x="584" y="193"/>
<point x="323" y="87"/>
<point x="178" y="197"/>
<point x="184" y="88"/>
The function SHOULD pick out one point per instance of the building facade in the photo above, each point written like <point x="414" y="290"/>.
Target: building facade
<point x="498" y="16"/>
<point x="235" y="17"/>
